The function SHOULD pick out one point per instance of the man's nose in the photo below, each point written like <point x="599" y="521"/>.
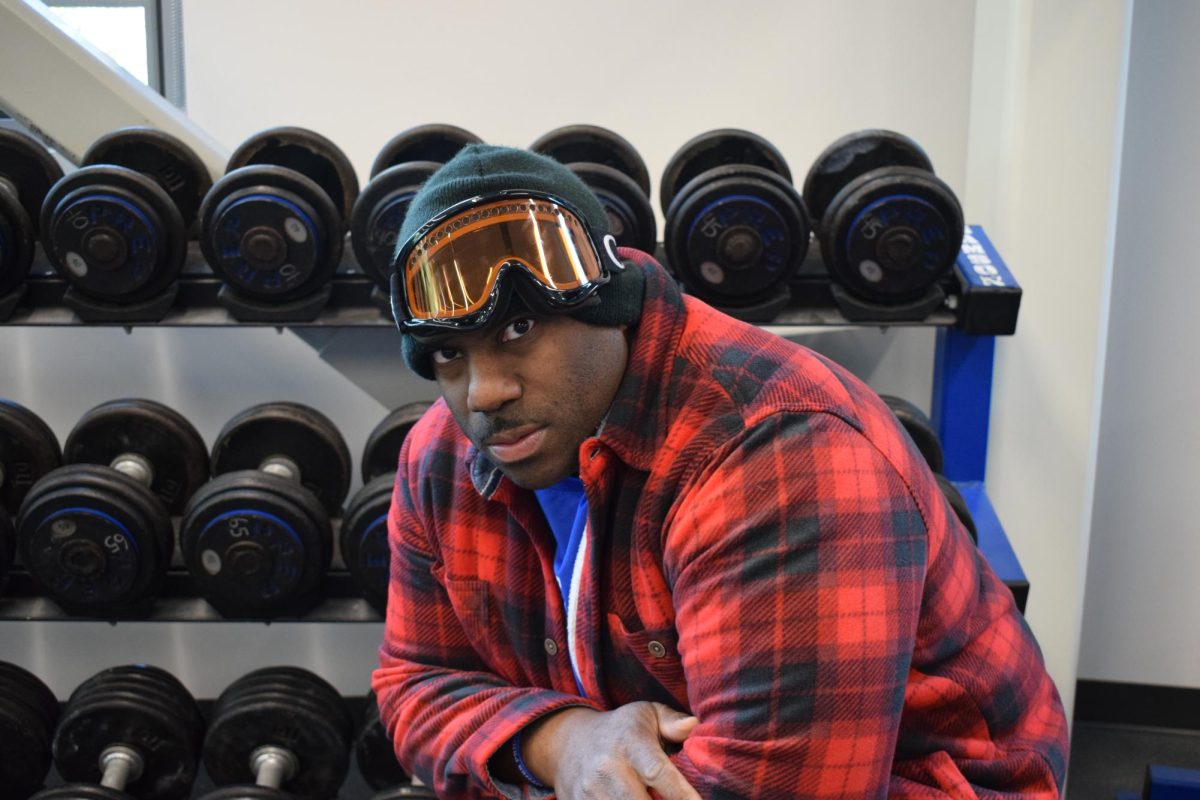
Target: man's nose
<point x="493" y="384"/>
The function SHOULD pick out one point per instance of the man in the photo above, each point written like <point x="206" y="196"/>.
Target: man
<point x="640" y="545"/>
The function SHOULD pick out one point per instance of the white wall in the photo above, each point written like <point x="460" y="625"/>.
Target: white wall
<point x="1045" y="145"/>
<point x="1143" y="599"/>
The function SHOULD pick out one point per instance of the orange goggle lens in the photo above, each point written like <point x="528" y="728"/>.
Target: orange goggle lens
<point x="452" y="271"/>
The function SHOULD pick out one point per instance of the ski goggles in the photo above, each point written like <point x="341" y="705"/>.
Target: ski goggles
<point x="449" y="273"/>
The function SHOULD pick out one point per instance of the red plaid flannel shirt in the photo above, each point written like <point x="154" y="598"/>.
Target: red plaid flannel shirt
<point x="768" y="552"/>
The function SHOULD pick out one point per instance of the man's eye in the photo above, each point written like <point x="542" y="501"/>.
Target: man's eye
<point x="517" y="328"/>
<point x="444" y="355"/>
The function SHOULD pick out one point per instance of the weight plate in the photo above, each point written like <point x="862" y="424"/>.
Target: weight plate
<point x="715" y="149"/>
<point x="918" y="427"/>
<point x="408" y="792"/>
<point x="364" y="540"/>
<point x="856" y="154"/>
<point x="29" y="167"/>
<point x="310" y="154"/>
<point x="379" y="213"/>
<point x="32" y="694"/>
<point x="270" y="233"/>
<point x="16" y="243"/>
<point x="82" y="791"/>
<point x="247" y="792"/>
<point x="291" y="709"/>
<point x="93" y="540"/>
<point x="736" y="233"/>
<point x="382" y="450"/>
<point x="890" y="234"/>
<point x="114" y="234"/>
<point x="572" y="144"/>
<point x="28" y="712"/>
<point x="168" y="161"/>
<point x="143" y="708"/>
<point x="956" y="501"/>
<point x="294" y="431"/>
<point x="8" y="544"/>
<point x="435" y="142"/>
<point x="28" y="450"/>
<point x="374" y="752"/>
<point x="258" y="545"/>
<point x="630" y="216"/>
<point x="162" y="436"/>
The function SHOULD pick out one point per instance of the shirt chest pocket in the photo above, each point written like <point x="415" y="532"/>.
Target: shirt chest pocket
<point x="508" y="639"/>
<point x="636" y="654"/>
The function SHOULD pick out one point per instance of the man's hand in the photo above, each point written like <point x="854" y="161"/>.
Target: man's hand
<point x="585" y="753"/>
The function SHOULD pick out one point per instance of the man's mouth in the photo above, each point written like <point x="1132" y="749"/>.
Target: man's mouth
<point x="515" y="444"/>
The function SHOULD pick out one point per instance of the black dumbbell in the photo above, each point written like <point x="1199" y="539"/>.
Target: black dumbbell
<point x="28" y="450"/>
<point x="274" y="227"/>
<point x="282" y="729"/>
<point x="959" y="504"/>
<point x="737" y="230"/>
<point x="403" y="164"/>
<point x="916" y="424"/>
<point x="406" y="792"/>
<point x="126" y="732"/>
<point x="918" y="427"/>
<point x="257" y="538"/>
<point x="27" y="171"/>
<point x="8" y="544"/>
<point x="889" y="228"/>
<point x="363" y="537"/>
<point x="96" y="534"/>
<point x="28" y="714"/>
<point x="117" y="229"/>
<point x="374" y="752"/>
<point x="615" y="171"/>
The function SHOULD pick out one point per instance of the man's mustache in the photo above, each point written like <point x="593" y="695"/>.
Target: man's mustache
<point x="485" y="427"/>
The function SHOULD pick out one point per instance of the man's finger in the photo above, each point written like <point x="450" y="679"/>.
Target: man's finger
<point x="673" y="725"/>
<point x="658" y="773"/>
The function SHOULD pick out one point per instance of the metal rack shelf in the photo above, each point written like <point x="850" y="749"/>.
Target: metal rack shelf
<point x="980" y="303"/>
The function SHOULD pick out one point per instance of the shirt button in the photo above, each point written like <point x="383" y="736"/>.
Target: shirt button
<point x="551" y="647"/>
<point x="656" y="649"/>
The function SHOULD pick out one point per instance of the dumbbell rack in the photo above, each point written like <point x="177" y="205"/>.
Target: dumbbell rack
<point x="982" y="300"/>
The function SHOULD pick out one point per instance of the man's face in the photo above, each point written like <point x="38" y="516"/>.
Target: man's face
<point x="530" y="389"/>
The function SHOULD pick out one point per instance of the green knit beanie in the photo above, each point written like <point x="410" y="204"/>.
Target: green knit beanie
<point x="481" y="170"/>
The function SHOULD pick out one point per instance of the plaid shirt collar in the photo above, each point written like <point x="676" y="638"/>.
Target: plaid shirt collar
<point x="636" y="424"/>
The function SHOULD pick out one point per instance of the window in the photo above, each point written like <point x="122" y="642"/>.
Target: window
<point x="145" y="37"/>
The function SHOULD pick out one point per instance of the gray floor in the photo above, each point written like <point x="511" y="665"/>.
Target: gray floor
<point x="1107" y="759"/>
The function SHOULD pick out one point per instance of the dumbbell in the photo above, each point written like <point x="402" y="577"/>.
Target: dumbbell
<point x="916" y="424"/>
<point x="889" y="228"/>
<point x="958" y="503"/>
<point x="257" y="538"/>
<point x="28" y="450"/>
<point x="274" y="227"/>
<point x="28" y="714"/>
<point x="737" y="230"/>
<point x="117" y="229"/>
<point x="918" y="427"/>
<point x="615" y="171"/>
<point x="282" y="729"/>
<point x="126" y="732"/>
<point x="363" y="539"/>
<point x="374" y="752"/>
<point x="96" y="534"/>
<point x="401" y="167"/>
<point x="406" y="791"/>
<point x="27" y="171"/>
